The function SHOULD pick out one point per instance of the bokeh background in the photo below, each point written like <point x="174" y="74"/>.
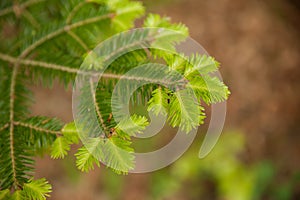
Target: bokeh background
<point x="258" y="154"/>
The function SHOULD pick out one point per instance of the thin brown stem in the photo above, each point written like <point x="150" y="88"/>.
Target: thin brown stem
<point x="4" y="127"/>
<point x="36" y="128"/>
<point x="74" y="11"/>
<point x="11" y="128"/>
<point x="64" y="29"/>
<point x="79" y="41"/>
<point x="93" y="92"/>
<point x="31" y="19"/>
<point x="11" y="9"/>
<point x="74" y="70"/>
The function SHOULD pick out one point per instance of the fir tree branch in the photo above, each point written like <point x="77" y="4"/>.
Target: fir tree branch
<point x="22" y="134"/>
<point x="26" y="52"/>
<point x="69" y="20"/>
<point x="64" y="29"/>
<point x="74" y="11"/>
<point x="68" y="69"/>
<point x="31" y="19"/>
<point x="14" y="60"/>
<point x="22" y="6"/>
<point x="11" y="128"/>
<point x="77" y="39"/>
<point x="36" y="128"/>
<point x="62" y="68"/>
<point x="4" y="127"/>
<point x="105" y="128"/>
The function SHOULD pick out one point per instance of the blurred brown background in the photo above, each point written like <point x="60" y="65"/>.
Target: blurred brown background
<point x="257" y="43"/>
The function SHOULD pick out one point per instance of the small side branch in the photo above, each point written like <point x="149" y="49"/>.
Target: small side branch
<point x="69" y="69"/>
<point x="64" y="29"/>
<point x="105" y="128"/>
<point x="36" y="128"/>
<point x="4" y="127"/>
<point x="74" y="11"/>
<point x="11" y="126"/>
<point x="31" y="19"/>
<point x="11" y="9"/>
<point x="79" y="40"/>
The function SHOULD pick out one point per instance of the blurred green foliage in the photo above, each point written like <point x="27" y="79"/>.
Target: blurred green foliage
<point x="220" y="175"/>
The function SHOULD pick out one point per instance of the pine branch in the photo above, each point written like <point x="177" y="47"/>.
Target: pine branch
<point x="159" y="101"/>
<point x="132" y="125"/>
<point x="22" y="6"/>
<point x="4" y="127"/>
<point x="61" y="145"/>
<point x="85" y="159"/>
<point x="71" y="70"/>
<point x="184" y="111"/>
<point x="11" y="128"/>
<point x="15" y="125"/>
<point x="31" y="19"/>
<point x="15" y="160"/>
<point x="74" y="11"/>
<point x="46" y="65"/>
<point x="37" y="189"/>
<point x="36" y="128"/>
<point x="209" y="89"/>
<point x="77" y="39"/>
<point x="98" y="112"/>
<point x="62" y="30"/>
<point x="70" y="30"/>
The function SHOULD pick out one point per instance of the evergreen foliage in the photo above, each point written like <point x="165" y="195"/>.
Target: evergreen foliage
<point x="42" y="41"/>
